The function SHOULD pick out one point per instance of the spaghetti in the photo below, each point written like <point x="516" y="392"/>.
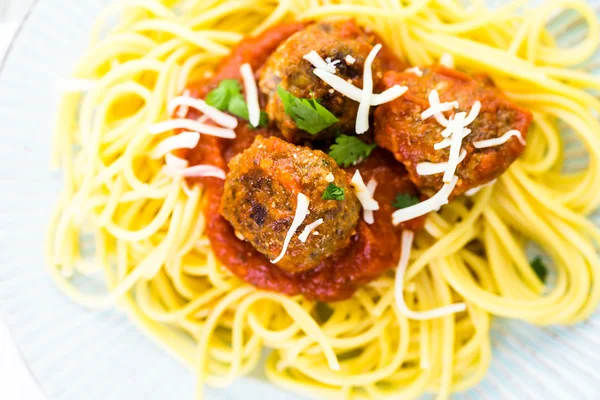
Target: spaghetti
<point x="149" y="232"/>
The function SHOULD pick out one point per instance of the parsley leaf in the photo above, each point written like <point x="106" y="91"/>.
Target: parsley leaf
<point x="222" y="95"/>
<point x="333" y="192"/>
<point x="404" y="200"/>
<point x="308" y="114"/>
<point x="540" y="269"/>
<point x="228" y="97"/>
<point x="348" y="149"/>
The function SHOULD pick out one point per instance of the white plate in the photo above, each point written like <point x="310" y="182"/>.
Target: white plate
<point x="78" y="354"/>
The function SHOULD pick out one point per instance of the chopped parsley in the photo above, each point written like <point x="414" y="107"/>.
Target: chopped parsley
<point x="540" y="269"/>
<point x="404" y="200"/>
<point x="333" y="192"/>
<point x="349" y="149"/>
<point x="308" y="114"/>
<point x="228" y="97"/>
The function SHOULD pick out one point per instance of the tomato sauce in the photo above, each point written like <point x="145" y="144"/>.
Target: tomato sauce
<point x="374" y="248"/>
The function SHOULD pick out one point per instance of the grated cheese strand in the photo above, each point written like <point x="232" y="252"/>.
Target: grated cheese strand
<point x="443" y="144"/>
<point x="218" y="116"/>
<point x="197" y="171"/>
<point x="301" y="213"/>
<point x="414" y="70"/>
<point x="368" y="215"/>
<point x="331" y="65"/>
<point x="308" y="229"/>
<point x="432" y="204"/>
<point x="436" y="108"/>
<point x="447" y="60"/>
<point x="185" y="140"/>
<point x="362" y="117"/>
<point x="475" y="190"/>
<point x="316" y="60"/>
<point x="191" y="125"/>
<point x="388" y="95"/>
<point x="427" y="168"/>
<point x="349" y="90"/>
<point x="482" y="144"/>
<point x="251" y="94"/>
<point x="458" y="134"/>
<point x="362" y="193"/>
<point x="175" y="163"/>
<point x="405" y="250"/>
<point x="473" y="113"/>
<point x="183" y="110"/>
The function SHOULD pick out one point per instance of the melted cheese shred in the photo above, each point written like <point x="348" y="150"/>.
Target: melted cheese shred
<point x="251" y="94"/>
<point x="300" y="214"/>
<point x="362" y="117"/>
<point x="150" y="244"/>
<point x="482" y="144"/>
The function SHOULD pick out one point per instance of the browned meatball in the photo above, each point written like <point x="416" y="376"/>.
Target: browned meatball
<point x="287" y="68"/>
<point x="400" y="129"/>
<point x="260" y="197"/>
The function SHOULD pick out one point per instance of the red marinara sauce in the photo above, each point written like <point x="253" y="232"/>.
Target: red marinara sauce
<point x="374" y="248"/>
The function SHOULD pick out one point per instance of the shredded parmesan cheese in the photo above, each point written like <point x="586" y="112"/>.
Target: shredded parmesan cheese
<point x="436" y="108"/>
<point x="388" y="95"/>
<point x="197" y="171"/>
<point x="183" y="110"/>
<point x="74" y="85"/>
<point x="443" y="144"/>
<point x="251" y="94"/>
<point x="362" y="193"/>
<point x="427" y="168"/>
<point x="218" y="116"/>
<point x="458" y="134"/>
<point x="191" y="125"/>
<point x="349" y="59"/>
<point x="414" y="70"/>
<point x="362" y="117"/>
<point x="475" y="190"/>
<point x="406" y="247"/>
<point x="175" y="163"/>
<point x="185" y="140"/>
<point x="501" y="140"/>
<point x="447" y="60"/>
<point x="301" y="213"/>
<point x="473" y="113"/>
<point x="308" y="228"/>
<point x="368" y="215"/>
<point x="432" y="204"/>
<point x="348" y="89"/>
<point x="331" y="65"/>
<point x="316" y="60"/>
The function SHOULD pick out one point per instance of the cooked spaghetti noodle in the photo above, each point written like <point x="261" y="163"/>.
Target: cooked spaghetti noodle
<point x="148" y="228"/>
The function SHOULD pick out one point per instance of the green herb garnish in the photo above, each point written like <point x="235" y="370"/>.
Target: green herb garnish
<point x="404" y="200"/>
<point x="228" y="97"/>
<point x="308" y="114"/>
<point x="540" y="269"/>
<point x="222" y="95"/>
<point x="333" y="192"/>
<point x="348" y="149"/>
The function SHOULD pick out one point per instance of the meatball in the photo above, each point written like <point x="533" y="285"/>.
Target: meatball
<point x="260" y="195"/>
<point x="400" y="129"/>
<point x="287" y="68"/>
